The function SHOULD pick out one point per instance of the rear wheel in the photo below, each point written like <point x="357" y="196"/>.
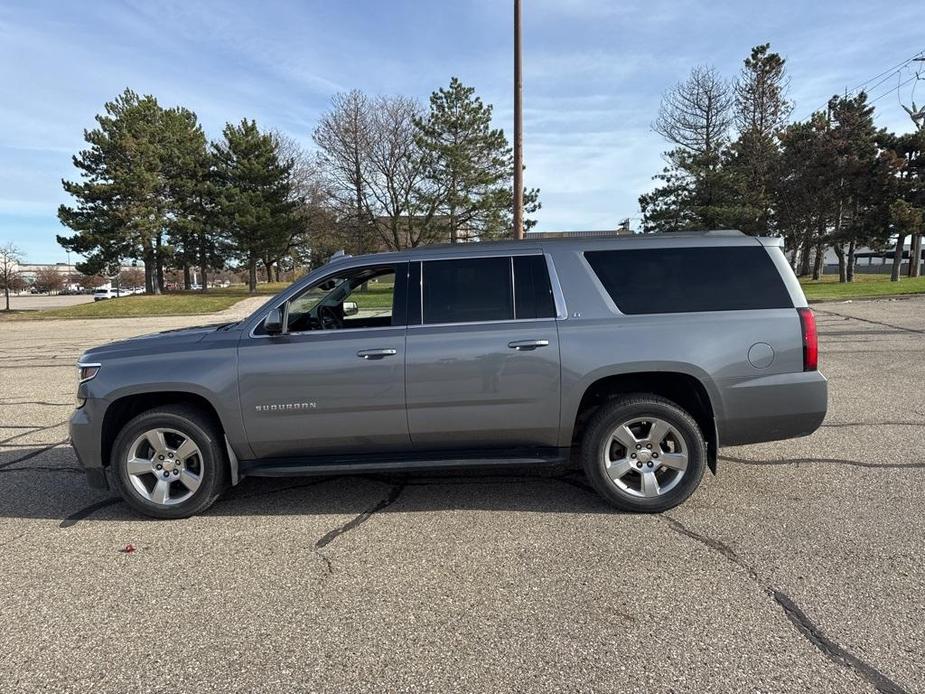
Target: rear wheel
<point x="169" y="462"/>
<point x="643" y="453"/>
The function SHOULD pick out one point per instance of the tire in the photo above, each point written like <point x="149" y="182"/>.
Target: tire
<point x="642" y="471"/>
<point x="183" y="451"/>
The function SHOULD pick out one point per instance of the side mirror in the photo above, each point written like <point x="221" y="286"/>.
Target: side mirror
<point x="351" y="308"/>
<point x="273" y="323"/>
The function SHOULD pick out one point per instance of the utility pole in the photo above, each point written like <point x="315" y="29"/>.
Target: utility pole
<point x="518" y="129"/>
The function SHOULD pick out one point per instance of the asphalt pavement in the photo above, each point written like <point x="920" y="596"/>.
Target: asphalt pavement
<point x="799" y="567"/>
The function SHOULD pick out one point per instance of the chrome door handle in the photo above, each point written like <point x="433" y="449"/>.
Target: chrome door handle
<point x="526" y="345"/>
<point x="376" y="353"/>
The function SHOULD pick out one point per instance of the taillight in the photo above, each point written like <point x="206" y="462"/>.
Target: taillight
<point x="810" y="339"/>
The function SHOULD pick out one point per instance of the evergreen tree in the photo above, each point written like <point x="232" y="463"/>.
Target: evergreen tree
<point x="909" y="210"/>
<point x="760" y="113"/>
<point x="121" y="209"/>
<point x="253" y="195"/>
<point x="194" y="232"/>
<point x="853" y="177"/>
<point x="469" y="166"/>
<point x="803" y="196"/>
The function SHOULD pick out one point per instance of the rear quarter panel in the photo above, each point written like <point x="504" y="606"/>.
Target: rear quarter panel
<point x="712" y="347"/>
<point x="597" y="341"/>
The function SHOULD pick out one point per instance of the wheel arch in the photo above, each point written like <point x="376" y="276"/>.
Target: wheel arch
<point x="121" y="410"/>
<point x="687" y="390"/>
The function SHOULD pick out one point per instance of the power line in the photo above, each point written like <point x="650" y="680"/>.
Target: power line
<point x="886" y="74"/>
<point x="891" y="70"/>
<point x="895" y="89"/>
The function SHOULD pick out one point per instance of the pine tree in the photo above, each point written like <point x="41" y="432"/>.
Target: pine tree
<point x="121" y="209"/>
<point x="469" y="165"/>
<point x="761" y="111"/>
<point x="194" y="232"/>
<point x="802" y="194"/>
<point x="253" y="194"/>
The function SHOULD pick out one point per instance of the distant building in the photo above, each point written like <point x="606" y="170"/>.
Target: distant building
<point x="598" y="233"/>
<point x="28" y="271"/>
<point x="872" y="261"/>
<point x="622" y="230"/>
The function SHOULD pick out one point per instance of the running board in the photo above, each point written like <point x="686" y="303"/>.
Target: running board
<point x="339" y="465"/>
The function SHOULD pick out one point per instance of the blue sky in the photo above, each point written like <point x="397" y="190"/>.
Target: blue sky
<point x="594" y="72"/>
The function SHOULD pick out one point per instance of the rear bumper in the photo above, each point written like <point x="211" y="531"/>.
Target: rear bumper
<point x="770" y="408"/>
<point x="85" y="430"/>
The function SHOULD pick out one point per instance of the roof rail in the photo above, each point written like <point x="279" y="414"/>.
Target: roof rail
<point x="339" y="255"/>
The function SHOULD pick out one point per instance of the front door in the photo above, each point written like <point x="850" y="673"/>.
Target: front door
<point x="482" y="364"/>
<point x="333" y="382"/>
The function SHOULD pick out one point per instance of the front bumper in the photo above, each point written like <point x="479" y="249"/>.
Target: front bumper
<point x="770" y="408"/>
<point x="85" y="430"/>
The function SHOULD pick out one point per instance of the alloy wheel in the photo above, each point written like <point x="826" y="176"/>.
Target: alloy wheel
<point x="165" y="466"/>
<point x="645" y="457"/>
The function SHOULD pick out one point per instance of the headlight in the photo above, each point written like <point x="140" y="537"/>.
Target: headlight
<point x="85" y="372"/>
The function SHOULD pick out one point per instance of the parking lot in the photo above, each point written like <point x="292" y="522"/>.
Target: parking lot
<point x="798" y="568"/>
<point x="40" y="302"/>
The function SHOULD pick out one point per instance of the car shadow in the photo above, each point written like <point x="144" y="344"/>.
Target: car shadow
<point x="47" y="483"/>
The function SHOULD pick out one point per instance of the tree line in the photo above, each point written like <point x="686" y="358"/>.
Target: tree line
<point x="831" y="180"/>
<point x="386" y="173"/>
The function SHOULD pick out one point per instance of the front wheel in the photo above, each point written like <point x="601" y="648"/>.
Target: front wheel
<point x="169" y="462"/>
<point x="643" y="453"/>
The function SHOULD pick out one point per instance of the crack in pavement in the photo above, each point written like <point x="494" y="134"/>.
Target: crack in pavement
<point x="34" y="430"/>
<point x="87" y="511"/>
<point x="838" y="461"/>
<point x="12" y="540"/>
<point x="887" y="423"/>
<point x="36" y="402"/>
<point x="389" y="499"/>
<point x="807" y="628"/>
<point x="385" y="502"/>
<point x="398" y="487"/>
<point x="36" y="366"/>
<point x="278" y="490"/>
<point x="31" y="455"/>
<point x="915" y="331"/>
<point x="42" y="468"/>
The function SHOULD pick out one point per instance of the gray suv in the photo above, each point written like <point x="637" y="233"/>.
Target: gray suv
<point x="635" y="358"/>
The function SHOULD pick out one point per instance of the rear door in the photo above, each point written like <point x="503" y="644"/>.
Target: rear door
<point x="482" y="354"/>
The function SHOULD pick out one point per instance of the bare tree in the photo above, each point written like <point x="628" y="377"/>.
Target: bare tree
<point x="48" y="279"/>
<point x="89" y="281"/>
<point x="696" y="114"/>
<point x="10" y="279"/>
<point x="131" y="278"/>
<point x="394" y="176"/>
<point x="343" y="137"/>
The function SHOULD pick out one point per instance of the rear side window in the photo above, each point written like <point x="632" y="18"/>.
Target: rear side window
<point x="532" y="291"/>
<point x="467" y="290"/>
<point x="684" y="280"/>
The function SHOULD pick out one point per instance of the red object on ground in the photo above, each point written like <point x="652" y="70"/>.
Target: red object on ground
<point x="128" y="549"/>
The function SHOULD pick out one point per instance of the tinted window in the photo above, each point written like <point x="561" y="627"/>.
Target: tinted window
<point x="678" y="280"/>
<point x="469" y="290"/>
<point x="532" y="291"/>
